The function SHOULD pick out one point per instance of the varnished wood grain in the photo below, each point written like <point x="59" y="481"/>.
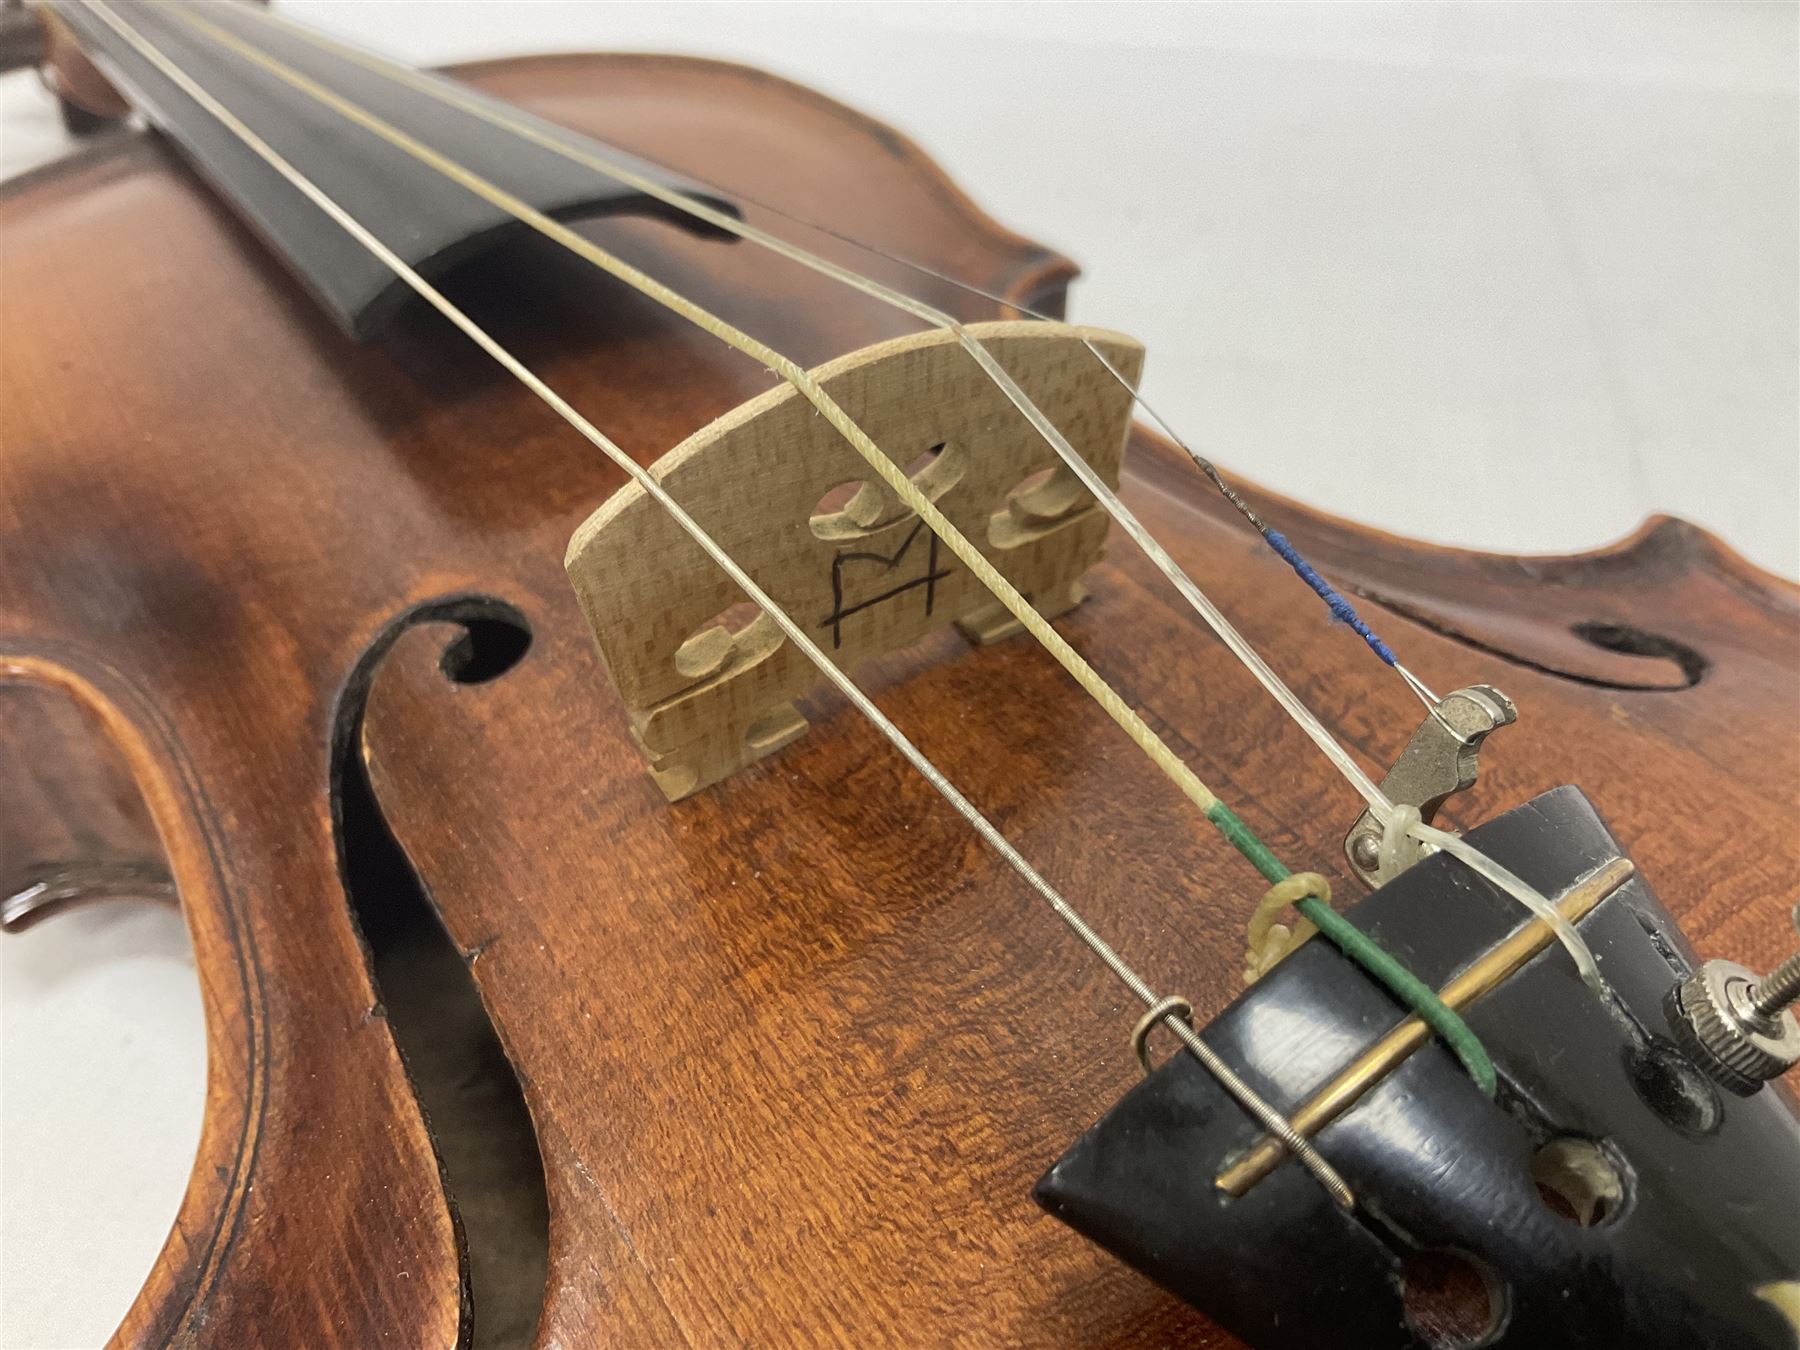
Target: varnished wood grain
<point x="877" y="1038"/>
<point x="794" y="1048"/>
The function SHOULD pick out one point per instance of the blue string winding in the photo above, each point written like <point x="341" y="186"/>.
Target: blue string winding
<point x="1342" y="611"/>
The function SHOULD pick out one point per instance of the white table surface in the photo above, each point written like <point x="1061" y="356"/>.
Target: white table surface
<point x="1509" y="276"/>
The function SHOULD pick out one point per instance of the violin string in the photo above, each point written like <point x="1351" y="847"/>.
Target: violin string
<point x="1179" y="773"/>
<point x="1406" y="988"/>
<point x="1233" y="1083"/>
<point x="1302" y="716"/>
<point x="978" y="351"/>
<point x="508" y="119"/>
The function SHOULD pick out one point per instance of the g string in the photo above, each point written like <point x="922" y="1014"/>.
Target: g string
<point x="1246" y="1096"/>
<point x="1408" y="989"/>
<point x="507" y="119"/>
<point x="1381" y="807"/>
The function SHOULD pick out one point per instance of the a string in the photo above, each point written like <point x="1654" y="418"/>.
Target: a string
<point x="1228" y="1078"/>
<point x="1303" y="717"/>
<point x="499" y="115"/>
<point x="1407" y="991"/>
<point x="1340" y="608"/>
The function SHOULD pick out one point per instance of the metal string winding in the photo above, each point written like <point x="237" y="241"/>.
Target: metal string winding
<point x="1242" y="1092"/>
<point x="1115" y="707"/>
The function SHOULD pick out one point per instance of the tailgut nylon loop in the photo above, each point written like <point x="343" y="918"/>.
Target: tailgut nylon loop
<point x="1394" y="832"/>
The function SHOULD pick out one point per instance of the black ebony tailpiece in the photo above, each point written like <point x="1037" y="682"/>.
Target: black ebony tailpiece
<point x="1707" y="1202"/>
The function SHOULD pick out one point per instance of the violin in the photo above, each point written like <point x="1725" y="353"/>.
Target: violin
<point x="731" y="785"/>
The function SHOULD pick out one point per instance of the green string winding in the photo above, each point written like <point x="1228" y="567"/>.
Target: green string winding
<point x="1412" y="992"/>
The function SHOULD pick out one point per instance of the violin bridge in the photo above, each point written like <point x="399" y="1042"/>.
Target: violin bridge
<point x="709" y="683"/>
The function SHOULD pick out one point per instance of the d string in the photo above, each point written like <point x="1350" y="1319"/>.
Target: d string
<point x="1303" y="717"/>
<point x="1410" y="991"/>
<point x="544" y="135"/>
<point x="1242" y="1092"/>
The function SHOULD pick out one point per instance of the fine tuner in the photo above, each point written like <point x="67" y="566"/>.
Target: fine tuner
<point x="620" y="605"/>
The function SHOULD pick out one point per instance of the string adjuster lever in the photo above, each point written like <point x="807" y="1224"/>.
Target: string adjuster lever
<point x="1441" y="760"/>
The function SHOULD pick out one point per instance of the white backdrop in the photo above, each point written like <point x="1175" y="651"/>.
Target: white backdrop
<point x="1507" y="276"/>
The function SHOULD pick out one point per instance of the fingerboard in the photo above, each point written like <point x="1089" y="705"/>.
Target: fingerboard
<point x="430" y="220"/>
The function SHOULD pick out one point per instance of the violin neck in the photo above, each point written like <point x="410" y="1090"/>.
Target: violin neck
<point x="232" y="52"/>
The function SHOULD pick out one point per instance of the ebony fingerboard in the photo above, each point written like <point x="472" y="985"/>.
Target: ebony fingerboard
<point x="427" y="218"/>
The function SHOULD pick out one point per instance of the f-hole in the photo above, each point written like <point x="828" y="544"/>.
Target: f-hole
<point x="1628" y="641"/>
<point x="474" y="1108"/>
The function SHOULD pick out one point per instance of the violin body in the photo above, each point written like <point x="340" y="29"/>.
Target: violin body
<point x="283" y="618"/>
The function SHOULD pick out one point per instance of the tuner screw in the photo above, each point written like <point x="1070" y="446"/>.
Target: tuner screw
<point x="1739" y="1029"/>
<point x="1777" y="990"/>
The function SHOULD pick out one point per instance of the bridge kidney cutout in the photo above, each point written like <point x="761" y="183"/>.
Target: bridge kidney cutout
<point x="859" y="508"/>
